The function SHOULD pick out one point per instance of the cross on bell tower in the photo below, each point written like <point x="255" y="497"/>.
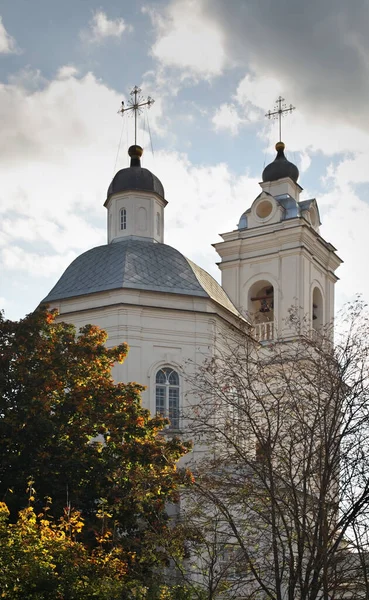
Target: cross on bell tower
<point x="280" y="109"/>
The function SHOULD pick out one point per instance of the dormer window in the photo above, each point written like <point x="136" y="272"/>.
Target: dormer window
<point x="123" y="218"/>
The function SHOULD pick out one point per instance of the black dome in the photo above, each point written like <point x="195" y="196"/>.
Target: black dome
<point x="135" y="177"/>
<point x="280" y="167"/>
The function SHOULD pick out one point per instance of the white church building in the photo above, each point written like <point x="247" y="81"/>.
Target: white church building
<point x="169" y="310"/>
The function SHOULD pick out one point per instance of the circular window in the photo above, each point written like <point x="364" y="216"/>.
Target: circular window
<point x="264" y="209"/>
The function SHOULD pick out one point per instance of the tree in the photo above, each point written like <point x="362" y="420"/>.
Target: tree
<point x="288" y="473"/>
<point x="84" y="440"/>
<point x="41" y="558"/>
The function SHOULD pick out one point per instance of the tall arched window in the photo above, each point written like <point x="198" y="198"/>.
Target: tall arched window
<point x="167" y="395"/>
<point x="317" y="309"/>
<point x="157" y="223"/>
<point x="123" y="218"/>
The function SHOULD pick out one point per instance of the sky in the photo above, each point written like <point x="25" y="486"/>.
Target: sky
<point x="214" y="69"/>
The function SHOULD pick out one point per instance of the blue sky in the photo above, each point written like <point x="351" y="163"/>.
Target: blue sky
<point x="214" y="69"/>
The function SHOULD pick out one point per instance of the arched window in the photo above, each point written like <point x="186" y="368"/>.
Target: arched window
<point x="317" y="309"/>
<point x="157" y="223"/>
<point x="167" y="395"/>
<point x="123" y="218"/>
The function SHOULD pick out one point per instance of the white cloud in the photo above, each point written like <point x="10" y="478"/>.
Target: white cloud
<point x="66" y="72"/>
<point x="8" y="44"/>
<point x="101" y="27"/>
<point x="258" y="90"/>
<point x="56" y="159"/>
<point x="345" y="223"/>
<point x="227" y="118"/>
<point x="17" y="259"/>
<point x="188" y="40"/>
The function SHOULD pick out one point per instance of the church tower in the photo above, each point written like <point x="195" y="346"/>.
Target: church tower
<point x="135" y="203"/>
<point x="276" y="259"/>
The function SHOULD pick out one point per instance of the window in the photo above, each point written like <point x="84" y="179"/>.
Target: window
<point x="167" y="395"/>
<point x="157" y="223"/>
<point x="123" y="218"/>
<point x="230" y="562"/>
<point x="317" y="309"/>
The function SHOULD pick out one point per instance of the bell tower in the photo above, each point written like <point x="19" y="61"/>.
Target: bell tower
<point x="276" y="259"/>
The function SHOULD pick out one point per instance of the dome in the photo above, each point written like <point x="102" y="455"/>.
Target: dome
<point x="280" y="167"/>
<point x="140" y="265"/>
<point x="135" y="177"/>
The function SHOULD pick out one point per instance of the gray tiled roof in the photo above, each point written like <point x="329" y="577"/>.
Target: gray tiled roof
<point x="212" y="288"/>
<point x="136" y="264"/>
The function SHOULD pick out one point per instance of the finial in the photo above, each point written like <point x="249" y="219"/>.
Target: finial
<point x="135" y="152"/>
<point x="280" y="146"/>
<point x="136" y="103"/>
<point x="279" y="110"/>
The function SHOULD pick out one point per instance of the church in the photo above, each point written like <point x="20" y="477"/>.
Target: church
<point x="169" y="310"/>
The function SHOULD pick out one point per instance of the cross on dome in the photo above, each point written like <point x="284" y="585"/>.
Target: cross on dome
<point x="279" y="110"/>
<point x="136" y="104"/>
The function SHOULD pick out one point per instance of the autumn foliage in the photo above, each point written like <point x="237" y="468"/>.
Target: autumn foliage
<point x="85" y="441"/>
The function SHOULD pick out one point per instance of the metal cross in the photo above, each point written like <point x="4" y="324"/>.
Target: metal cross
<point x="279" y="110"/>
<point x="136" y="103"/>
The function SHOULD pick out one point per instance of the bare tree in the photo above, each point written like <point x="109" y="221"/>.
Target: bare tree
<point x="212" y="562"/>
<point x="286" y="472"/>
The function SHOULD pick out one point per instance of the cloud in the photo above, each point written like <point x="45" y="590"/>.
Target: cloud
<point x="227" y="118"/>
<point x="8" y="44"/>
<point x="56" y="160"/>
<point x="317" y="51"/>
<point x="57" y="153"/>
<point x="188" y="40"/>
<point x="18" y="259"/>
<point x="208" y="201"/>
<point x="101" y="27"/>
<point x="66" y="72"/>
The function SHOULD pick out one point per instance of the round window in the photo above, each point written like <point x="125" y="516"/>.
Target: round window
<point x="264" y="209"/>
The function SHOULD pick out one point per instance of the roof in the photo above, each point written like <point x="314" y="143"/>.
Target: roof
<point x="141" y="265"/>
<point x="135" y="178"/>
<point x="291" y="208"/>
<point x="280" y="167"/>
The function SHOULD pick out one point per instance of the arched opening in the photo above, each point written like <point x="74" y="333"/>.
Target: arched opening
<point x="167" y="395"/>
<point x="261" y="309"/>
<point x="317" y="309"/>
<point x="142" y="219"/>
<point x="123" y="218"/>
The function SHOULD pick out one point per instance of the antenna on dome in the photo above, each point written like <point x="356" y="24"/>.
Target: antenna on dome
<point x="279" y="110"/>
<point x="136" y="103"/>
